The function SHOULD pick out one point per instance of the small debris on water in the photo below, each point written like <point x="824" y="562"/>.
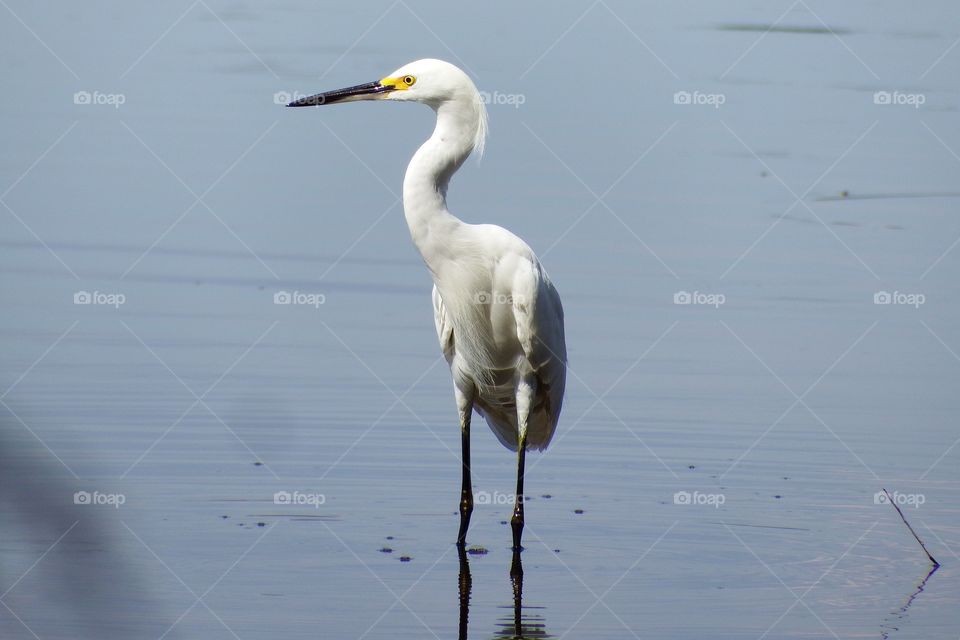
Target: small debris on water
<point x="389" y="537"/>
<point x="578" y="511"/>
<point x="258" y="464"/>
<point x="405" y="558"/>
<point x="477" y="551"/>
<point x="261" y="524"/>
<point x="546" y="496"/>
<point x="503" y="522"/>
<point x="386" y="550"/>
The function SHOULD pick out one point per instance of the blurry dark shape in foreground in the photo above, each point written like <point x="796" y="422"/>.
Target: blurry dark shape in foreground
<point x="62" y="571"/>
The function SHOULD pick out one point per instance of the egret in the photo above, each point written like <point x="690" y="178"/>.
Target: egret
<point x="498" y="317"/>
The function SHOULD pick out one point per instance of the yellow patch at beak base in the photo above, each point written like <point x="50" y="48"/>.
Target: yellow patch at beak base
<point x="398" y="84"/>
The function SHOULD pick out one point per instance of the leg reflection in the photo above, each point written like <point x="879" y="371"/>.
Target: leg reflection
<point x="524" y="624"/>
<point x="466" y="584"/>
<point x="516" y="580"/>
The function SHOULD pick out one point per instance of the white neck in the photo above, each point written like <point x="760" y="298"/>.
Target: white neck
<point x="431" y="225"/>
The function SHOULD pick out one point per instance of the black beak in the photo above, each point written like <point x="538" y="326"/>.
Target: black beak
<point x="342" y="95"/>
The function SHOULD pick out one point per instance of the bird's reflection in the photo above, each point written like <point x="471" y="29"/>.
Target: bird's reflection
<point x="521" y="624"/>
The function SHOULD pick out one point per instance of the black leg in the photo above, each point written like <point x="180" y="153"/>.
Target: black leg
<point x="516" y="522"/>
<point x="466" y="491"/>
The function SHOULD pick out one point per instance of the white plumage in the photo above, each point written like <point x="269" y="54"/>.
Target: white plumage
<point x="505" y="342"/>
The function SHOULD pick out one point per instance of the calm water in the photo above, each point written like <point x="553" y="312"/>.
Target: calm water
<point x="715" y="470"/>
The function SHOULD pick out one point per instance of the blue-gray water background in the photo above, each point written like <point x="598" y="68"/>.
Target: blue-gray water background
<point x="737" y="150"/>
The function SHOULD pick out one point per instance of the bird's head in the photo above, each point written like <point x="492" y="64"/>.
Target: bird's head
<point x="435" y="83"/>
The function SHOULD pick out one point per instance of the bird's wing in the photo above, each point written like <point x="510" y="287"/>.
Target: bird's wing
<point x="540" y="330"/>
<point x="444" y="327"/>
<point x="550" y="347"/>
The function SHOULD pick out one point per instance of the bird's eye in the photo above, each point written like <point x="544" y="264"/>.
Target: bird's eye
<point x="409" y="80"/>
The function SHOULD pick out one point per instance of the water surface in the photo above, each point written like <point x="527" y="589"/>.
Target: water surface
<point x="716" y="467"/>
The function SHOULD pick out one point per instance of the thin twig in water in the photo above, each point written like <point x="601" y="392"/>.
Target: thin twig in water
<point x="902" y="517"/>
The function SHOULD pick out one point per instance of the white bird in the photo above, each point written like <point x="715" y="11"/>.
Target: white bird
<point x="498" y="316"/>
